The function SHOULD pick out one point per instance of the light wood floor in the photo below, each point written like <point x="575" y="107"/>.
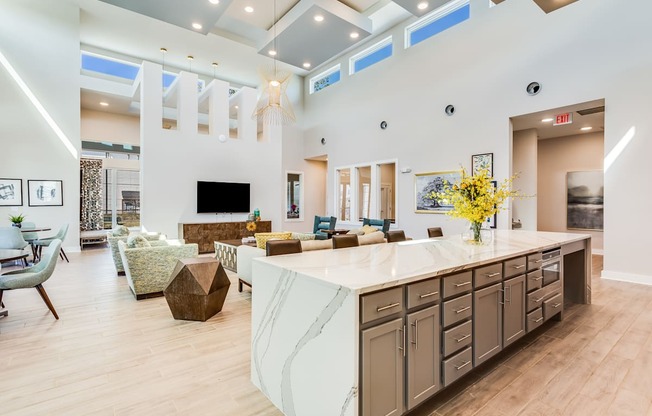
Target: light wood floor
<point x="111" y="355"/>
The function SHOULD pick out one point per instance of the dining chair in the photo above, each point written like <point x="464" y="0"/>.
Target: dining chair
<point x="345" y="241"/>
<point x="35" y="276"/>
<point x="280" y="247"/>
<point x="435" y="232"/>
<point x="12" y="239"/>
<point x="44" y="242"/>
<point x="395" y="236"/>
<point x="30" y="236"/>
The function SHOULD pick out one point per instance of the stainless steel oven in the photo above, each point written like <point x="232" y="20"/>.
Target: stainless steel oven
<point x="551" y="265"/>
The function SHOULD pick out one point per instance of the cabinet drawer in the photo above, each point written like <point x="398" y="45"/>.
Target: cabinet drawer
<point x="456" y="284"/>
<point x="534" y="319"/>
<point x="456" y="310"/>
<point x="422" y="293"/>
<point x="457" y="338"/>
<point x="552" y="289"/>
<point x="514" y="267"/>
<point x="534" y="261"/>
<point x="535" y="299"/>
<point x="458" y="365"/>
<point x="552" y="306"/>
<point x="483" y="276"/>
<point x="534" y="280"/>
<point x="381" y="304"/>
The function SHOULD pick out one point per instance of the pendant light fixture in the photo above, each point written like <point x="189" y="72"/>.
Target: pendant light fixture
<point x="274" y="106"/>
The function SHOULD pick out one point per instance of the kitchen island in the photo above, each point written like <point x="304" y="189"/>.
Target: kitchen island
<point x="378" y="329"/>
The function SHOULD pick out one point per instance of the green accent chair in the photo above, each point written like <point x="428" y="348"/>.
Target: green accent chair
<point x="45" y="242"/>
<point x="30" y="237"/>
<point x="11" y="238"/>
<point x="115" y="253"/>
<point x="34" y="277"/>
<point x="382" y="225"/>
<point x="323" y="223"/>
<point x="148" y="269"/>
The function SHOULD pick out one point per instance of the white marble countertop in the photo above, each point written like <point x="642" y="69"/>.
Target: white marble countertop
<point x="372" y="267"/>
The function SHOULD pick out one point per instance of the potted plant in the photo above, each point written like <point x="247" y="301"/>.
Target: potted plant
<point x="16" y="220"/>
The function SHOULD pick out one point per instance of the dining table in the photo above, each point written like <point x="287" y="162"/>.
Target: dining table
<point x="34" y="229"/>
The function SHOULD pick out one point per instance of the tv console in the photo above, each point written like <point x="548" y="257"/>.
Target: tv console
<point x="205" y="234"/>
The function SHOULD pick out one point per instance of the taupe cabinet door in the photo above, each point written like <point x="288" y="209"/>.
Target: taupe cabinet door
<point x="382" y="369"/>
<point x="514" y="310"/>
<point x="423" y="362"/>
<point x="487" y="323"/>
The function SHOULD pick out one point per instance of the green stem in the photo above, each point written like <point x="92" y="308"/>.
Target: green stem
<point x="476" y="227"/>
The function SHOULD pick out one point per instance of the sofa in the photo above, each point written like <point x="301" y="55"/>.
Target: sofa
<point x="148" y="269"/>
<point x="115" y="253"/>
<point x="246" y="253"/>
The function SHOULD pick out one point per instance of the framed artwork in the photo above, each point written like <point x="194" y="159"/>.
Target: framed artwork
<point x="44" y="193"/>
<point x="294" y="196"/>
<point x="11" y="192"/>
<point x="585" y="200"/>
<point x="482" y="161"/>
<point x="491" y="221"/>
<point x="426" y="183"/>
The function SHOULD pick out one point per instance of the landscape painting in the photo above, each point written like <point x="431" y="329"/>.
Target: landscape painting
<point x="426" y="183"/>
<point x="585" y="200"/>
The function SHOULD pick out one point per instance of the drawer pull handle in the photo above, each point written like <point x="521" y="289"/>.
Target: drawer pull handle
<point x="520" y="266"/>
<point x="463" y="309"/>
<point x="459" y="367"/>
<point x="428" y="295"/>
<point x="383" y="308"/>
<point x="492" y="274"/>
<point x="539" y="300"/>
<point x="539" y="261"/>
<point x="556" y="305"/>
<point x="536" y="279"/>
<point x="462" y="284"/>
<point x="536" y="321"/>
<point x="467" y="336"/>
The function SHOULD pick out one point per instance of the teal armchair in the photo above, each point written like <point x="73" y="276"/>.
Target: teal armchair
<point x="34" y="277"/>
<point x="323" y="223"/>
<point x="382" y="225"/>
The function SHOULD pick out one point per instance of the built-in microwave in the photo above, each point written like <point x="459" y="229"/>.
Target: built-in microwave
<point x="551" y="265"/>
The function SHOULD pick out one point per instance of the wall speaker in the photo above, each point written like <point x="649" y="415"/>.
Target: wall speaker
<point x="323" y="140"/>
<point x="450" y="109"/>
<point x="533" y="88"/>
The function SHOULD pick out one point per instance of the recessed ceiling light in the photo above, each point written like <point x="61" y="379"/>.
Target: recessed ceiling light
<point x="104" y="104"/>
<point x="249" y="9"/>
<point x="214" y="1"/>
<point x="586" y="128"/>
<point x="319" y="18"/>
<point x="423" y="5"/>
<point x="197" y="26"/>
<point x="354" y="35"/>
<point x="272" y="52"/>
<point x="547" y="120"/>
<point x="306" y="64"/>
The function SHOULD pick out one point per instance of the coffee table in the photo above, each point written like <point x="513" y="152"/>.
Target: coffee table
<point x="226" y="253"/>
<point x="331" y="233"/>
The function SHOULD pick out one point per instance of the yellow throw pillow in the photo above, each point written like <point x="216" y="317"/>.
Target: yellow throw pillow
<point x="263" y="238"/>
<point x="368" y="229"/>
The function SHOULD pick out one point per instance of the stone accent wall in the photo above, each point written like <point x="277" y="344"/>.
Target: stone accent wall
<point x="91" y="195"/>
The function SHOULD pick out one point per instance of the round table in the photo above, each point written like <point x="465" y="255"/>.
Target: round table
<point x="34" y="230"/>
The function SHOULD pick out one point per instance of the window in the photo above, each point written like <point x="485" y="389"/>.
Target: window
<point x="364" y="191"/>
<point x="370" y="56"/>
<point x="449" y="15"/>
<point x="344" y="194"/>
<point x="109" y="66"/>
<point x="325" y="79"/>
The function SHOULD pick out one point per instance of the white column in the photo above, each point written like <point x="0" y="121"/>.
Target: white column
<point x="218" y="108"/>
<point x="187" y="105"/>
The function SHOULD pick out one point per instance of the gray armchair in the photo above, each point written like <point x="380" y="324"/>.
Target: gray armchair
<point x="33" y="277"/>
<point x="44" y="242"/>
<point x="12" y="239"/>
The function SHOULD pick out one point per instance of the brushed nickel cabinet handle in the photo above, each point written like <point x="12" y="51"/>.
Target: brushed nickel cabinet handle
<point x="536" y="279"/>
<point x="383" y="308"/>
<point x="401" y="345"/>
<point x="556" y="306"/>
<point x="539" y="300"/>
<point x="520" y="266"/>
<point x="463" y="309"/>
<point x="428" y="295"/>
<point x="492" y="274"/>
<point x="539" y="261"/>
<point x="467" y="336"/>
<point x="462" y="284"/>
<point x="536" y="321"/>
<point x="415" y="324"/>
<point x="459" y="367"/>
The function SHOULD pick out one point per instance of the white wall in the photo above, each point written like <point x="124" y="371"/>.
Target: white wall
<point x="585" y="51"/>
<point x="99" y="126"/>
<point x="525" y="166"/>
<point x="557" y="157"/>
<point x="41" y="42"/>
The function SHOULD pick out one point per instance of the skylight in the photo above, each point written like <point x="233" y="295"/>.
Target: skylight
<point x="118" y="68"/>
<point x="436" y="22"/>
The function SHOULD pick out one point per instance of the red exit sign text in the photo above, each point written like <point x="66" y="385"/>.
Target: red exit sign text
<point x="561" y="119"/>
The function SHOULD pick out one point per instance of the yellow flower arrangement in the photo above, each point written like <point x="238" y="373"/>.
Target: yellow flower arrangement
<point x="251" y="226"/>
<point x="475" y="198"/>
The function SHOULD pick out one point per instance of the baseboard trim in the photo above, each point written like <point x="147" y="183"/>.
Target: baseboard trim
<point x="627" y="277"/>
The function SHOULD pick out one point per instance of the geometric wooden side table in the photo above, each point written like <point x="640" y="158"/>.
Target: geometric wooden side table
<point x="197" y="289"/>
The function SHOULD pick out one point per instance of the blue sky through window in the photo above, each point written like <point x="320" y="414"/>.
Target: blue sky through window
<point x="440" y="25"/>
<point x="326" y="81"/>
<point x="372" y="58"/>
<point x="119" y="69"/>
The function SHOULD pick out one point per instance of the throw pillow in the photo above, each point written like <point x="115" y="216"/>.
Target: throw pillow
<point x="303" y="236"/>
<point x="368" y="229"/>
<point x="120" y="231"/>
<point x="137" y="241"/>
<point x="263" y="238"/>
<point x="357" y="231"/>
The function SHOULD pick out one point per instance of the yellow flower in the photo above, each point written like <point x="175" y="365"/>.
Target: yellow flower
<point x="251" y="226"/>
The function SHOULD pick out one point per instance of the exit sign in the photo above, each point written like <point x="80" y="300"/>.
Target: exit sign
<point x="561" y="119"/>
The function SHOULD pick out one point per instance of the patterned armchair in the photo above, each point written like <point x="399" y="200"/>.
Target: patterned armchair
<point x="148" y="269"/>
<point x="115" y="254"/>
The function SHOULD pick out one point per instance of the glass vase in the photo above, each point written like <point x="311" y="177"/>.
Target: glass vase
<point x="478" y="233"/>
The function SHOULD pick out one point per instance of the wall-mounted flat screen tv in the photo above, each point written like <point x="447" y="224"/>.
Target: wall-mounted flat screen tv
<point x="222" y="197"/>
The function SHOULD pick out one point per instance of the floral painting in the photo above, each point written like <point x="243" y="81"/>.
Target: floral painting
<point x="484" y="161"/>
